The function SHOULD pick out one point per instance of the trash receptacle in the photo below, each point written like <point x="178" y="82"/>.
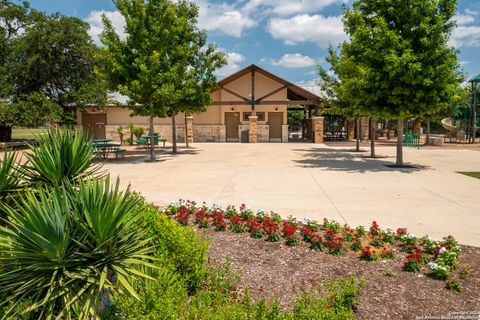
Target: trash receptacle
<point x="244" y="136"/>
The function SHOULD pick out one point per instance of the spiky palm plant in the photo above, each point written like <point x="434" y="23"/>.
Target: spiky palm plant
<point x="61" y="156"/>
<point x="66" y="249"/>
<point x="10" y="176"/>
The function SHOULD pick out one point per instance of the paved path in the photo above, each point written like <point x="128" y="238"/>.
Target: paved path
<point x="317" y="181"/>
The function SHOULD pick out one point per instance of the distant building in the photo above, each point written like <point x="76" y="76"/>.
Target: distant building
<point x="249" y="105"/>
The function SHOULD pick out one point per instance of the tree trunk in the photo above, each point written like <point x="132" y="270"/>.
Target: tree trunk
<point x="186" y="131"/>
<point x="174" y="134"/>
<point x="152" y="141"/>
<point x="428" y="129"/>
<point x="371" y="126"/>
<point x="389" y="127"/>
<point x="5" y="133"/>
<point x="399" y="143"/>
<point x="131" y="134"/>
<point x="357" y="133"/>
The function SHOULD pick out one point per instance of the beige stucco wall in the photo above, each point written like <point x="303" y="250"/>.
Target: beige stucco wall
<point x="122" y="116"/>
<point x="211" y="116"/>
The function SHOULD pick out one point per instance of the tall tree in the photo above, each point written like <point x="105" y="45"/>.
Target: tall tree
<point x="336" y="88"/>
<point x="13" y="19"/>
<point x="46" y="57"/>
<point x="164" y="65"/>
<point x="406" y="67"/>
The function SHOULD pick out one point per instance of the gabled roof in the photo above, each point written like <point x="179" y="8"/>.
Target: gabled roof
<point x="294" y="92"/>
<point x="475" y="79"/>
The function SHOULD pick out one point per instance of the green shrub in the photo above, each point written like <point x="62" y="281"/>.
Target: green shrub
<point x="61" y="156"/>
<point x="178" y="247"/>
<point x="66" y="248"/>
<point x="10" y="176"/>
<point x="161" y="299"/>
<point x="138" y="132"/>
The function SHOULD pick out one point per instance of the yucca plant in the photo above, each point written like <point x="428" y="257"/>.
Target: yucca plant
<point x="61" y="156"/>
<point x="10" y="176"/>
<point x="67" y="249"/>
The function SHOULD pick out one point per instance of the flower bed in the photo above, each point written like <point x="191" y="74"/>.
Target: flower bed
<point x="436" y="258"/>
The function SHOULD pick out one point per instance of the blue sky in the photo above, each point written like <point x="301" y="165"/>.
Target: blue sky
<point x="287" y="37"/>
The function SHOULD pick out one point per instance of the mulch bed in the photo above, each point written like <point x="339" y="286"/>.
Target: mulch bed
<point x="273" y="270"/>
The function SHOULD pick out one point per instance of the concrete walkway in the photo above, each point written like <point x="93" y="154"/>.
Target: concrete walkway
<point x="317" y="181"/>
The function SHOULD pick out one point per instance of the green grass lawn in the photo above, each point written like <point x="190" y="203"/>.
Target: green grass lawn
<point x="25" y="133"/>
<point x="471" y="174"/>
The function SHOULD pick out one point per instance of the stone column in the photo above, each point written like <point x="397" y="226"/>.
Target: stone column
<point x="252" y="129"/>
<point x="351" y="129"/>
<point x="417" y="125"/>
<point x="364" y="129"/>
<point x="317" y="128"/>
<point x="223" y="133"/>
<point x="285" y="133"/>
<point x="189" y="129"/>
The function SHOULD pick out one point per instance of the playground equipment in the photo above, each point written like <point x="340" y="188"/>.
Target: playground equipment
<point x="449" y="125"/>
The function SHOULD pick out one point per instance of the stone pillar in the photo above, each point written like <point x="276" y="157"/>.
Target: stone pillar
<point x="364" y="129"/>
<point x="351" y="129"/>
<point x="417" y="126"/>
<point x="223" y="133"/>
<point x="285" y="133"/>
<point x="317" y="128"/>
<point x="189" y="130"/>
<point x="252" y="129"/>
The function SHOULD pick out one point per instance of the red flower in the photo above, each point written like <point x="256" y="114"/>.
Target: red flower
<point x="414" y="256"/>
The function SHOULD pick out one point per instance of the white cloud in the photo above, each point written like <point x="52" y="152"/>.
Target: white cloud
<point x="311" y="72"/>
<point x="463" y="19"/>
<point x="467" y="32"/>
<point x="308" y="28"/>
<point x="223" y="18"/>
<point x="289" y="7"/>
<point x="234" y="64"/>
<point x="294" y="60"/>
<point x="96" y="26"/>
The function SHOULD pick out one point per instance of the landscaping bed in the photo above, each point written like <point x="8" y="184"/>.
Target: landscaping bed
<point x="278" y="269"/>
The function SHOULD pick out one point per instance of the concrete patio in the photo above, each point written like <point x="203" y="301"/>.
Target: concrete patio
<point x="316" y="181"/>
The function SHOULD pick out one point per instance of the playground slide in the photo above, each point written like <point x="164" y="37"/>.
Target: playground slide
<point x="447" y="123"/>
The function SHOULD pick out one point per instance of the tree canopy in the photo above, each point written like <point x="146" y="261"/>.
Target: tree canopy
<point x="44" y="57"/>
<point x="397" y="62"/>
<point x="164" y="65"/>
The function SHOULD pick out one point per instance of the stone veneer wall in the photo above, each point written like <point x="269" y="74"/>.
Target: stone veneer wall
<point x="164" y="132"/>
<point x="201" y="133"/>
<point x="208" y="133"/>
<point x="263" y="133"/>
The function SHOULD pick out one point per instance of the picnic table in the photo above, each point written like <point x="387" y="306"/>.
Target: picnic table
<point x="145" y="140"/>
<point x="103" y="149"/>
<point x="101" y="140"/>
